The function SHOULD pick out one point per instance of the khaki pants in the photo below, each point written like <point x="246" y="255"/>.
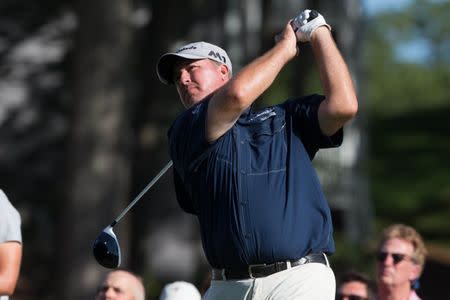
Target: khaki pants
<point x="312" y="281"/>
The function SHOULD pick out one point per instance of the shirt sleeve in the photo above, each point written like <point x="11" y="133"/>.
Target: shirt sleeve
<point x="187" y="143"/>
<point x="304" y="112"/>
<point x="10" y="221"/>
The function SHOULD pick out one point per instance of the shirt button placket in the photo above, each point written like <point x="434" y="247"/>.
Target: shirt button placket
<point x="242" y="164"/>
<point x="242" y="167"/>
<point x="245" y="159"/>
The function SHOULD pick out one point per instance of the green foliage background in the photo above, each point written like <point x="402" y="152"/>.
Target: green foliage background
<point x="409" y="110"/>
<point x="408" y="105"/>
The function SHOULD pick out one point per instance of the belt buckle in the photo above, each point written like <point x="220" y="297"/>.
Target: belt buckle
<point x="303" y="260"/>
<point x="250" y="273"/>
<point x="279" y="265"/>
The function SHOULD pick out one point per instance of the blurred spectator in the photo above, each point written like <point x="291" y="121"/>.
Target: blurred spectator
<point x="180" y="290"/>
<point x="121" y="285"/>
<point x="355" y="286"/>
<point x="10" y="247"/>
<point x="401" y="258"/>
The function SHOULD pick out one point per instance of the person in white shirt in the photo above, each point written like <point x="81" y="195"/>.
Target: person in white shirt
<point x="10" y="247"/>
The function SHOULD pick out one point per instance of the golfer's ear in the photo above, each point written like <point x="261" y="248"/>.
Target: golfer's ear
<point x="224" y="71"/>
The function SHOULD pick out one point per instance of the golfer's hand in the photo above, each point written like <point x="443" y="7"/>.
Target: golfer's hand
<point x="305" y="24"/>
<point x="287" y="37"/>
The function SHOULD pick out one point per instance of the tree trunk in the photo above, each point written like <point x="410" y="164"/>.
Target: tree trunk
<point x="345" y="168"/>
<point x="99" y="142"/>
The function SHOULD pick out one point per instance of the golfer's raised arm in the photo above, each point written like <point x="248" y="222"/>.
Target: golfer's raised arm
<point x="340" y="104"/>
<point x="240" y="92"/>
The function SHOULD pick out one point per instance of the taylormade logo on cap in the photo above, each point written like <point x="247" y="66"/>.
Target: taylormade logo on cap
<point x="198" y="50"/>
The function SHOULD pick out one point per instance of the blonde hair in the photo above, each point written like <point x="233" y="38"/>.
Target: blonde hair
<point x="410" y="235"/>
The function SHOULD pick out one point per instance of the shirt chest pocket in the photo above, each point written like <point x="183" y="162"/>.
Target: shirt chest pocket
<point x="267" y="148"/>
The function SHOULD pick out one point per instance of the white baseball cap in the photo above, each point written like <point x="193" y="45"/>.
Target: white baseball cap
<point x="180" y="290"/>
<point x="197" y="50"/>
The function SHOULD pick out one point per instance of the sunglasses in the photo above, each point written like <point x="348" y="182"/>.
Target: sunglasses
<point x="349" y="297"/>
<point x="396" y="257"/>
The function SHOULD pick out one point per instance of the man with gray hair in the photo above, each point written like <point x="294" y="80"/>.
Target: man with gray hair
<point x="121" y="285"/>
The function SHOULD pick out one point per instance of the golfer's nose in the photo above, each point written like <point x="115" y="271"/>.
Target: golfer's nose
<point x="185" y="77"/>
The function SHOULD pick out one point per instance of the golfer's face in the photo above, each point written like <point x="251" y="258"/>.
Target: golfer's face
<point x="196" y="79"/>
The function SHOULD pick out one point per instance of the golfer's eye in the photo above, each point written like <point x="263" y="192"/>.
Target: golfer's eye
<point x="178" y="73"/>
<point x="192" y="68"/>
<point x="176" y="76"/>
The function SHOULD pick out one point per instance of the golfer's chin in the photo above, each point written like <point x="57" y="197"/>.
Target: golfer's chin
<point x="191" y="101"/>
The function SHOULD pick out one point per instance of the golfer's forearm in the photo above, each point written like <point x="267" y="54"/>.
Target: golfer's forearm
<point x="257" y="77"/>
<point x="335" y="77"/>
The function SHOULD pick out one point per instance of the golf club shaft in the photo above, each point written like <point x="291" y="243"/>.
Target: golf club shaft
<point x="154" y="180"/>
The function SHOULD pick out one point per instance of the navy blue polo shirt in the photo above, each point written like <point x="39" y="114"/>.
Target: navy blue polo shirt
<point x="254" y="190"/>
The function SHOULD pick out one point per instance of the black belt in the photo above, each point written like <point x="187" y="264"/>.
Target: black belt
<point x="263" y="270"/>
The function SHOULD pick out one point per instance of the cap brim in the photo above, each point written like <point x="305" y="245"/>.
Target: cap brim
<point x="164" y="67"/>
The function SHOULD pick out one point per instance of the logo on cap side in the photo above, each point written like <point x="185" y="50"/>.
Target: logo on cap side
<point x="217" y="56"/>
<point x="186" y="48"/>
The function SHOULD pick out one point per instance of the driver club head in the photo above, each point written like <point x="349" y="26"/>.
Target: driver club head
<point x="106" y="249"/>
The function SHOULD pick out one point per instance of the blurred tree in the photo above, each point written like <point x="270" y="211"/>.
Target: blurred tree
<point x="409" y="96"/>
<point x="344" y="170"/>
<point x="99" y="141"/>
<point x="164" y="243"/>
<point x="34" y="39"/>
<point x="409" y="102"/>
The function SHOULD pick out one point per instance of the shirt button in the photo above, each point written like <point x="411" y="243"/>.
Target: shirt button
<point x="242" y="142"/>
<point x="243" y="203"/>
<point x="242" y="171"/>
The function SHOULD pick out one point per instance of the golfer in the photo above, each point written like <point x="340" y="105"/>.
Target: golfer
<point x="265" y="224"/>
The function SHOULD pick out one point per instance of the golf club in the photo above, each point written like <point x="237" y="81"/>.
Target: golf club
<point x="106" y="246"/>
